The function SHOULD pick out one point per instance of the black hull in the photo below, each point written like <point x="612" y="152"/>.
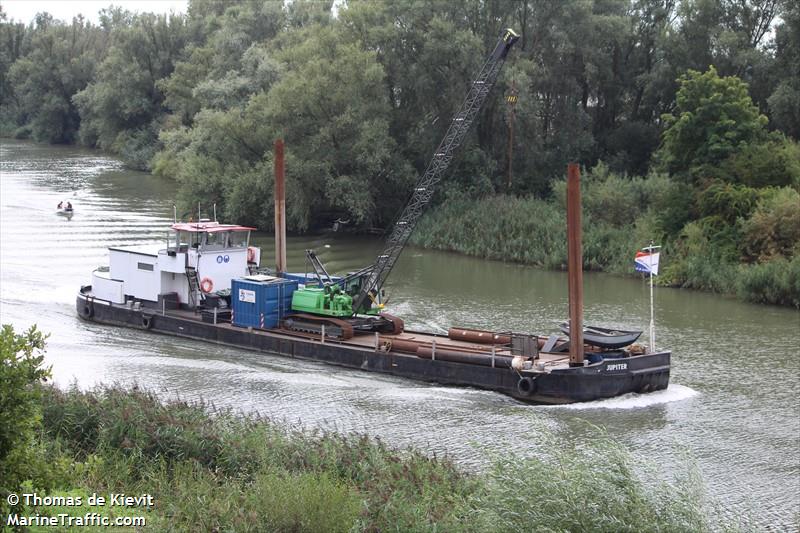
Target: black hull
<point x="610" y="378"/>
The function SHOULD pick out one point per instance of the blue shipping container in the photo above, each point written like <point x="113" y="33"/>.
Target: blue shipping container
<point x="261" y="299"/>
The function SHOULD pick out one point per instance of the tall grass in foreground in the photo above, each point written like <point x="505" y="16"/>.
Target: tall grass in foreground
<point x="209" y="470"/>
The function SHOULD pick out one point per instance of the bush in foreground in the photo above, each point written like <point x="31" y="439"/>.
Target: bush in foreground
<point x="21" y="371"/>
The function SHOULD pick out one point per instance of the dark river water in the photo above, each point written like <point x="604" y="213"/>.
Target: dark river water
<point x="732" y="406"/>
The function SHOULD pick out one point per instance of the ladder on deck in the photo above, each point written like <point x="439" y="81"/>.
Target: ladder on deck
<point x="194" y="286"/>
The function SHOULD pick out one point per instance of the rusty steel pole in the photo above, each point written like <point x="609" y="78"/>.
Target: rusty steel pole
<point x="575" y="265"/>
<point x="280" y="209"/>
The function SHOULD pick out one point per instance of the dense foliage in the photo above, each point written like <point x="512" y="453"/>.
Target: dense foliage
<point x="724" y="238"/>
<point x="21" y="372"/>
<point x="211" y="470"/>
<point x="729" y="216"/>
<point x="703" y="94"/>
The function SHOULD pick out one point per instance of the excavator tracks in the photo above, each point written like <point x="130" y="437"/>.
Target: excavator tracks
<point x="335" y="328"/>
<point x="395" y="324"/>
<point x="342" y="328"/>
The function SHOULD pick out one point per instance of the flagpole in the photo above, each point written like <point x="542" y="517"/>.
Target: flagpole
<point x="650" y="266"/>
<point x="652" y="309"/>
<point x="652" y="314"/>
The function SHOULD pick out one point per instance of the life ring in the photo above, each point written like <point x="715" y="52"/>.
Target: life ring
<point x="147" y="321"/>
<point x="251" y="254"/>
<point x="526" y="386"/>
<point x="206" y="285"/>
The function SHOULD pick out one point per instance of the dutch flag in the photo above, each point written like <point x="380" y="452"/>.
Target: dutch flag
<point x="647" y="260"/>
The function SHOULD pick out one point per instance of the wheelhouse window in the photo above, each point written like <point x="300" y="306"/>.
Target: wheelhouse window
<point x="189" y="238"/>
<point x="145" y="266"/>
<point x="214" y="241"/>
<point x="238" y="239"/>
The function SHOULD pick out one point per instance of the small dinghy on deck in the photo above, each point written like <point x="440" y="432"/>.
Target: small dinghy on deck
<point x="605" y="337"/>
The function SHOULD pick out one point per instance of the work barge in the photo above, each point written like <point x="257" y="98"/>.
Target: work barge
<point x="416" y="355"/>
<point x="206" y="282"/>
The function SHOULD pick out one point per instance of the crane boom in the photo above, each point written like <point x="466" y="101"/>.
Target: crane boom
<point x="424" y="189"/>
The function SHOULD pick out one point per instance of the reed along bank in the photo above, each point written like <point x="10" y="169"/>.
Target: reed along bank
<point x="727" y="239"/>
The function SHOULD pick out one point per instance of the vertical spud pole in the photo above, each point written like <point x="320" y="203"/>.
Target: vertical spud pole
<point x="280" y="209"/>
<point x="575" y="265"/>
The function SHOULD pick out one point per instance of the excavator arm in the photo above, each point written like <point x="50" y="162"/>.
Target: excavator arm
<point x="373" y="277"/>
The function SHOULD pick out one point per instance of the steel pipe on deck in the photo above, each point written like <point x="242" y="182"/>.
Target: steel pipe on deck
<point x="477" y="335"/>
<point x="403" y="345"/>
<point x="483" y="359"/>
<point x="411" y="345"/>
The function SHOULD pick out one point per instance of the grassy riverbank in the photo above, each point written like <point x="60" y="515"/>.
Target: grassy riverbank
<point x="213" y="470"/>
<point x="722" y="238"/>
<point x="209" y="470"/>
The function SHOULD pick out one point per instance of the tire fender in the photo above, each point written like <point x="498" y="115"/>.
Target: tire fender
<point x="526" y="386"/>
<point x="88" y="309"/>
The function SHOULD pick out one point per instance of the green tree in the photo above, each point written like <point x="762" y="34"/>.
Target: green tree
<point x="61" y="62"/>
<point x="21" y="372"/>
<point x="330" y="106"/>
<point x="714" y="118"/>
<point x="122" y="108"/>
<point x="229" y="61"/>
<point x="784" y="102"/>
<point x="332" y="109"/>
<point x="12" y="36"/>
<point x="428" y="59"/>
<point x="773" y="230"/>
<point x="773" y="163"/>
